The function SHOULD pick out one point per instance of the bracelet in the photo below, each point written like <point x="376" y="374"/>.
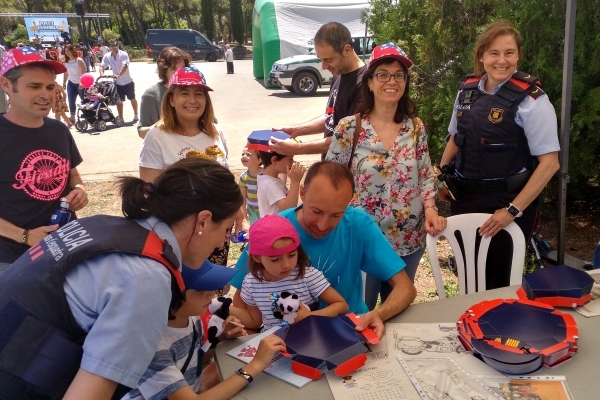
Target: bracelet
<point x="24" y="236"/>
<point x="245" y="375"/>
<point x="432" y="207"/>
<point x="80" y="186"/>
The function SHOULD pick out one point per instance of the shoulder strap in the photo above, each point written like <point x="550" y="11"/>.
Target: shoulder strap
<point x="192" y="348"/>
<point x="357" y="127"/>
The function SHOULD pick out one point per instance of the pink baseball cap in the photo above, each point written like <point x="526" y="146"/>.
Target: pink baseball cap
<point x="266" y="231"/>
<point x="187" y="76"/>
<point x="27" y="55"/>
<point x="390" y="50"/>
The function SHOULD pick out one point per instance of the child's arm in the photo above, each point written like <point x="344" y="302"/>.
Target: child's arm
<point x="335" y="305"/>
<point x="295" y="173"/>
<point x="232" y="385"/>
<point x="250" y="316"/>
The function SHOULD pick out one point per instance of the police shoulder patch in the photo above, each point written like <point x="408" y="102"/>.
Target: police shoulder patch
<point x="537" y="92"/>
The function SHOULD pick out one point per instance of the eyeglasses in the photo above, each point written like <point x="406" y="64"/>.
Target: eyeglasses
<point x="385" y="77"/>
<point x="114" y="45"/>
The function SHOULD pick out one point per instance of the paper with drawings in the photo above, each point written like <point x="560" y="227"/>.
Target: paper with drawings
<point x="443" y="378"/>
<point x="550" y="387"/>
<point x="382" y="379"/>
<point x="423" y="340"/>
<point x="592" y="308"/>
<point x="281" y="367"/>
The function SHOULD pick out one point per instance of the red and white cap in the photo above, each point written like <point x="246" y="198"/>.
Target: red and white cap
<point x="390" y="50"/>
<point x="27" y="55"/>
<point x="188" y="76"/>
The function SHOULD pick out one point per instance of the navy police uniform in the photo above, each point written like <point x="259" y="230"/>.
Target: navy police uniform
<point x="40" y="340"/>
<point x="495" y="133"/>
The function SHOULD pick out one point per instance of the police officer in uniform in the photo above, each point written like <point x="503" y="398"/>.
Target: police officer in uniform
<point x="84" y="309"/>
<point x="503" y="146"/>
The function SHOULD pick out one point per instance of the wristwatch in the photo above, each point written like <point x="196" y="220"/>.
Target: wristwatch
<point x="514" y="210"/>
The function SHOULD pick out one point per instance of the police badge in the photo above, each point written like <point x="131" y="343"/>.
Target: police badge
<point x="495" y="115"/>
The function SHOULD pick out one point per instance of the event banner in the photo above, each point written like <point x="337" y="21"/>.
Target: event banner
<point x="47" y="28"/>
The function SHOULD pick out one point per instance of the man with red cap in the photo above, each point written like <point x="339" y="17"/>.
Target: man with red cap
<point x="39" y="155"/>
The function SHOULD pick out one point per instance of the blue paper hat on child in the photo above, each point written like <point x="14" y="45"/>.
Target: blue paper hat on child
<point x="259" y="140"/>
<point x="208" y="277"/>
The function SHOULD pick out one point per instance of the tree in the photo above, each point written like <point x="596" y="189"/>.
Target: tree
<point x="208" y="20"/>
<point x="237" y="21"/>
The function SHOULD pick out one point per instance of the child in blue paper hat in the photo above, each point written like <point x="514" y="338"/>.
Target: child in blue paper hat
<point x="174" y="370"/>
<point x="273" y="195"/>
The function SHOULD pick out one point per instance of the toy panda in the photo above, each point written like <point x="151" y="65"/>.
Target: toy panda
<point x="219" y="307"/>
<point x="287" y="305"/>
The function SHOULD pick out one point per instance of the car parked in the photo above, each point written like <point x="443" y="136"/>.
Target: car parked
<point x="195" y="43"/>
<point x="303" y="75"/>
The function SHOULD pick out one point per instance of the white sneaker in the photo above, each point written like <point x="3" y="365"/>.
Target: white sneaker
<point x="135" y="118"/>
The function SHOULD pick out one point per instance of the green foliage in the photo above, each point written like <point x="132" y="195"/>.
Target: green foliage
<point x="208" y="20"/>
<point x="136" y="54"/>
<point x="108" y="34"/>
<point x="237" y="21"/>
<point x="439" y="35"/>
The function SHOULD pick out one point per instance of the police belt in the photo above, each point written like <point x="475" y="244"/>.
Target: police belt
<point x="481" y="185"/>
<point x="511" y="184"/>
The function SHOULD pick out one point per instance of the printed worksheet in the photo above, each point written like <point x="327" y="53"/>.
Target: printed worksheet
<point x="529" y="387"/>
<point x="423" y="340"/>
<point x="592" y="308"/>
<point x="281" y="367"/>
<point x="444" y="378"/>
<point x="382" y="379"/>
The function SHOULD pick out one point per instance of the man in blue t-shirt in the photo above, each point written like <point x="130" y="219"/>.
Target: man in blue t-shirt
<point x="343" y="242"/>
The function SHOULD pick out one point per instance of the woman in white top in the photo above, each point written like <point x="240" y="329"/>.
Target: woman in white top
<point x="75" y="68"/>
<point x="186" y="129"/>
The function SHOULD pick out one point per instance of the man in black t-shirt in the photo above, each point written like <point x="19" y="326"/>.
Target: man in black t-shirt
<point x="38" y="154"/>
<point x="333" y="44"/>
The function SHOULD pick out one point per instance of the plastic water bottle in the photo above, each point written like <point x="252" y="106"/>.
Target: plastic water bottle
<point x="240" y="237"/>
<point x="62" y="215"/>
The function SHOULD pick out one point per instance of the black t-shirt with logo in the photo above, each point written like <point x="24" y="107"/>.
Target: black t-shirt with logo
<point x="343" y="98"/>
<point x="34" y="175"/>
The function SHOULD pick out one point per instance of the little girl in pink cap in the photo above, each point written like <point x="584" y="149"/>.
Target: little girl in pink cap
<point x="278" y="264"/>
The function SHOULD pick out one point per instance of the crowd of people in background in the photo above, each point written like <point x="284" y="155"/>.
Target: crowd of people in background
<point x="366" y="208"/>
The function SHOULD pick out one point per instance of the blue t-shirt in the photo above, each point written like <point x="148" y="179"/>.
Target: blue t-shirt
<point x="355" y="245"/>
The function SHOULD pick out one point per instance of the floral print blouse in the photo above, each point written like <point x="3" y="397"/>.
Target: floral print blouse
<point x="391" y="186"/>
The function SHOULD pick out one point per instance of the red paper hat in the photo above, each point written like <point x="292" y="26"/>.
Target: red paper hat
<point x="27" y="55"/>
<point x="188" y="76"/>
<point x="390" y="50"/>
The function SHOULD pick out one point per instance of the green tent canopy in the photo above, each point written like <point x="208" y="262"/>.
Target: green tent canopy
<point x="284" y="28"/>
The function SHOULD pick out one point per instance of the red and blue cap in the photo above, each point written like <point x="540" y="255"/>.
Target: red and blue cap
<point x="206" y="278"/>
<point x="188" y="76"/>
<point x="20" y="56"/>
<point x="259" y="140"/>
<point x="389" y="50"/>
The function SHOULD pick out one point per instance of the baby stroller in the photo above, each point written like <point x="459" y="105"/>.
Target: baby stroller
<point x="99" y="114"/>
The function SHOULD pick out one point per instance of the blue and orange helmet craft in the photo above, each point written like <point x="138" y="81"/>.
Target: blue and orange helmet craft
<point x="259" y="140"/>
<point x="559" y="286"/>
<point x="501" y="333"/>
<point x="317" y="343"/>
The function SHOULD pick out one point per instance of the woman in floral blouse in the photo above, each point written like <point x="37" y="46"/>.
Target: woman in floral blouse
<point x="391" y="165"/>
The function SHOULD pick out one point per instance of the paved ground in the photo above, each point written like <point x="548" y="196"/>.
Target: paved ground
<point x="241" y="105"/>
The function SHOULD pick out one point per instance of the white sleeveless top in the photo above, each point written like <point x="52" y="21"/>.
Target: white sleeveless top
<point x="73" y="69"/>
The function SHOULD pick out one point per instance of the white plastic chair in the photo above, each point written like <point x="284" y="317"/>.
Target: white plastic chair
<point x="468" y="280"/>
